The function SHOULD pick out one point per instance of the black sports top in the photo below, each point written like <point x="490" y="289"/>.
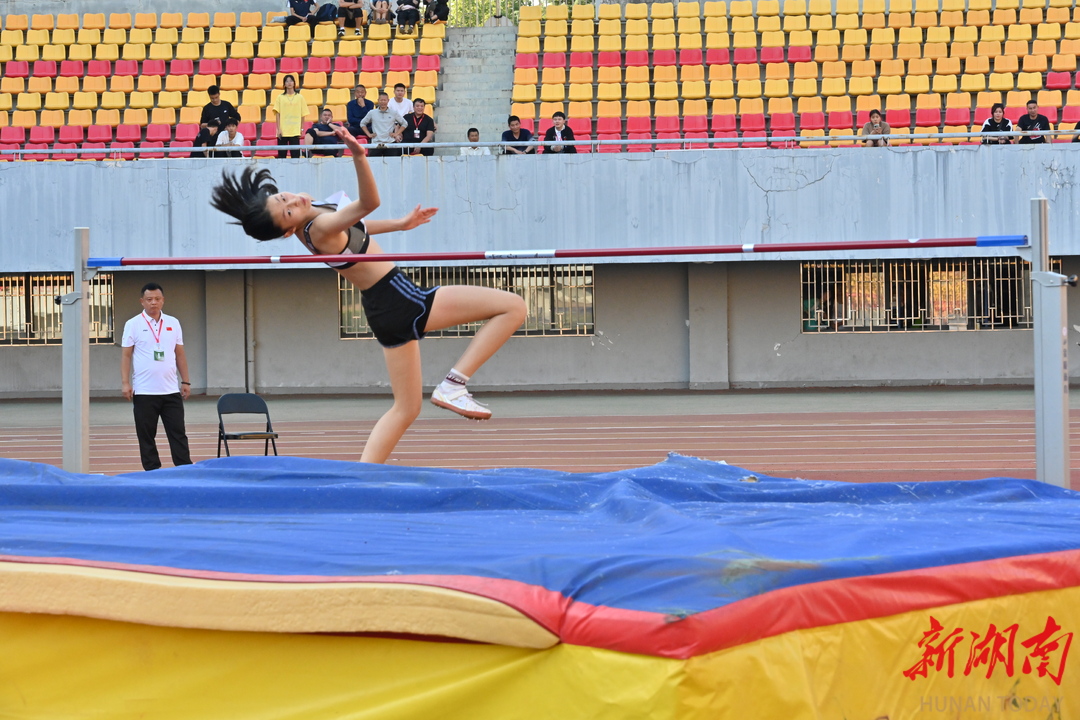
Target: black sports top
<point x="358" y="234"/>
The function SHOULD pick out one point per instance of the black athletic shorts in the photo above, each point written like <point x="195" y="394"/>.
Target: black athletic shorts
<point x="397" y="310"/>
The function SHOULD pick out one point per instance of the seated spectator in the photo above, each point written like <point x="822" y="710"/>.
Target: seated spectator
<point x="408" y="16"/>
<point x="1033" y="122"/>
<point x="217" y="108"/>
<point x="301" y="11"/>
<point x="518" y="133"/>
<point x="383" y="127"/>
<point x="352" y="14"/>
<point x="997" y="122"/>
<point x="229" y="139"/>
<point x="438" y="11"/>
<point x="419" y="128"/>
<point x="876" y="130"/>
<point x="357" y="109"/>
<point x="322" y="133"/>
<point x="474" y="137"/>
<point x="381" y="13"/>
<point x="399" y="103"/>
<point x="558" y="132"/>
<point x="206" y="139"/>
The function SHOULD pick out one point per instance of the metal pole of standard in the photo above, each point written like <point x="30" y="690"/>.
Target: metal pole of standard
<point x="1051" y="355"/>
<point x="76" y="361"/>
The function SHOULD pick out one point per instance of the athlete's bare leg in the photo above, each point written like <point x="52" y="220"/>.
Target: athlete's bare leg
<point x="403" y="364"/>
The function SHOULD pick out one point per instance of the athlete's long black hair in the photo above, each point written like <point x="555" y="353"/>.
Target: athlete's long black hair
<point x="244" y="198"/>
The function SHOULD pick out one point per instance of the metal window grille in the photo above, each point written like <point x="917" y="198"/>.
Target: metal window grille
<point x="29" y="314"/>
<point x="917" y="295"/>
<point x="559" y="298"/>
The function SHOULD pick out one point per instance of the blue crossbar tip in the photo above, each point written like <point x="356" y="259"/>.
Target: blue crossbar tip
<point x="1000" y="240"/>
<point x="104" y="262"/>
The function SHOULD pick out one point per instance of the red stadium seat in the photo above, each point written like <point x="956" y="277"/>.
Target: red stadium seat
<point x="753" y="140"/>
<point x="545" y="123"/>
<point x="187" y="132"/>
<point x="128" y="133"/>
<point x="17" y="69"/>
<point x="745" y="56"/>
<point x="151" y="155"/>
<point x="428" y="62"/>
<point x="695" y="123"/>
<point x="99" y="134"/>
<point x="664" y="57"/>
<point x="638" y="125"/>
<point x="36" y="157"/>
<point x="210" y="66"/>
<point x="580" y="126"/>
<point x="609" y="59"/>
<point x="812" y="121"/>
<point x="182" y="67"/>
<point x="10" y="146"/>
<point x="783" y="123"/>
<point x="981" y="113"/>
<point x="71" y="134"/>
<point x="554" y="60"/>
<point x="726" y="134"/>
<point x="898" y="118"/>
<point x="528" y="124"/>
<point x="292" y="66"/>
<point x="577" y="59"/>
<point x="610" y="148"/>
<point x="93" y="155"/>
<point x="350" y="64"/>
<point x="1070" y="114"/>
<point x="398" y="63"/>
<point x="800" y="54"/>
<point x="723" y="123"/>
<point x="667" y="124"/>
<point x="99" y="68"/>
<point x="266" y="153"/>
<point x="841" y="120"/>
<point x="1058" y="80"/>
<point x="268" y="131"/>
<point x="1051" y="113"/>
<point x="44" y="135"/>
<point x="1014" y="113"/>
<point x="319" y="64"/>
<point x="772" y="55"/>
<point x="608" y="126"/>
<point x="159" y="133"/>
<point x="180" y="144"/>
<point x="127" y="68"/>
<point x="718" y="56"/>
<point x="72" y="68"/>
<point x="637" y="58"/>
<point x="154" y="67"/>
<point x="696" y="135"/>
<point x="12" y="135"/>
<point x="690" y="56"/>
<point x="925" y="117"/>
<point x="957" y="116"/>
<point x="375" y="63"/>
<point x="116" y="151"/>
<point x="233" y="66"/>
<point x="752" y="122"/>
<point x="247" y="129"/>
<point x="668" y="136"/>
<point x="268" y="66"/>
<point x="65" y="156"/>
<point x="44" y="68"/>
<point x="583" y="136"/>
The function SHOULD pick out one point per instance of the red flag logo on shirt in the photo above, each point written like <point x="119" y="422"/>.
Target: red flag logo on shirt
<point x="169" y="329"/>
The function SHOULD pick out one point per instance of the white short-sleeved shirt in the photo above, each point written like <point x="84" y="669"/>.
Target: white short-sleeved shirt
<point x="402" y="108"/>
<point x="150" y="376"/>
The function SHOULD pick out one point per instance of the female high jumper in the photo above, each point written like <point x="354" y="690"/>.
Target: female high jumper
<point x="398" y="312"/>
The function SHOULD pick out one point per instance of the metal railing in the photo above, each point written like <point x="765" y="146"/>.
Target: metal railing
<point x="29" y="314"/>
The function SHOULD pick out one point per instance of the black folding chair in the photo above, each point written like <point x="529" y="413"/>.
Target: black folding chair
<point x="244" y="404"/>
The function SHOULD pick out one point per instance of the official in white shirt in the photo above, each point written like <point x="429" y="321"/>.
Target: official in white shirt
<point x="474" y="137"/>
<point x="153" y="345"/>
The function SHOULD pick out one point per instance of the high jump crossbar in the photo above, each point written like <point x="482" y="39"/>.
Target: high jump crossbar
<point x="746" y="248"/>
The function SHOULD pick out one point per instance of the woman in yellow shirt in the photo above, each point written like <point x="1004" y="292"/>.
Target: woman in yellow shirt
<point x="291" y="108"/>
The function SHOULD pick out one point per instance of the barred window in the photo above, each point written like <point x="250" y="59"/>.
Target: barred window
<point x="29" y="314"/>
<point x="559" y="298"/>
<point x="917" y="295"/>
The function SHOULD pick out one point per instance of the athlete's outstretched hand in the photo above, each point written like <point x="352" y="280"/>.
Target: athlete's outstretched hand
<point x="419" y="216"/>
<point x="349" y="141"/>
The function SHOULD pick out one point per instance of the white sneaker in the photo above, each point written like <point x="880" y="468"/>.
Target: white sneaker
<point x="460" y="401"/>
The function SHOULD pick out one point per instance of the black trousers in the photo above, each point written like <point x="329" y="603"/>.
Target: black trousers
<point x="170" y="408"/>
<point x="383" y="150"/>
<point x="289" y="141"/>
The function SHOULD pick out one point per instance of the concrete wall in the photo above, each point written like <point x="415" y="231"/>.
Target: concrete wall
<point x="160" y="208"/>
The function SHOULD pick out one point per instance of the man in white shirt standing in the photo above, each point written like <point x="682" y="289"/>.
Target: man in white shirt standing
<point x="399" y="103"/>
<point x="153" y="344"/>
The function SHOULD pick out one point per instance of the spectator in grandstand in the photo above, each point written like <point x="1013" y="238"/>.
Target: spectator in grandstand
<point x="206" y="139"/>
<point x="399" y="103"/>
<point x="408" y="16"/>
<point x="153" y="346"/>
<point x="997" y="122"/>
<point x="1033" y="122"/>
<point x="301" y="11"/>
<point x="419" y="128"/>
<point x="518" y="133"/>
<point x="229" y="139"/>
<point x="398" y="312"/>
<point x="383" y="127"/>
<point x="437" y="11"/>
<point x="217" y="108"/>
<point x="474" y="137"/>
<point x="351" y="14"/>
<point x="381" y="14"/>
<point x="557" y="133"/>
<point x="322" y="133"/>
<point x="290" y="108"/>
<point x="876" y="130"/>
<point x="357" y="110"/>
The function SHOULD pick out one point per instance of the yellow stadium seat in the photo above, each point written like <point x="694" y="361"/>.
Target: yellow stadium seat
<point x="224" y="19"/>
<point x="794" y="22"/>
<point x="582" y="43"/>
<point x="847" y="21"/>
<point x="120" y="21"/>
<point x="804" y="87"/>
<point x="915" y="84"/>
<point x="170" y="99"/>
<point x="403" y="47"/>
<point x="215" y="51"/>
<point x="198" y="19"/>
<point x="582" y="28"/>
<point x="720" y="25"/>
<point x="717" y="41"/>
<point x="661" y="10"/>
<point x="861" y="86"/>
<point x="807" y="133"/>
<point x="1046" y="48"/>
<point x="773" y="39"/>
<point x="38" y="37"/>
<point x="141" y="100"/>
<point x="552" y="93"/>
<point x="888" y="85"/>
<point x="806" y="70"/>
<point x="688" y="10"/>
<point x="555" y="27"/>
<point x="114" y="36"/>
<point x="24" y="118"/>
<point x="556" y="44"/>
<point x="741" y="8"/>
<point x="57" y="53"/>
<point x="523" y="94"/>
<point x="530" y="13"/>
<point x="201" y="83"/>
<point x="39" y="85"/>
<point x="663" y="26"/>
<point x="88" y="36"/>
<point x="113" y="100"/>
<point x="821" y="22"/>
<point x="428" y="46"/>
<point x="1063" y="63"/>
<point x="718" y="8"/>
<point x="775" y="88"/>
<point x="973" y="83"/>
<point x="166" y="36"/>
<point x="57" y="101"/>
<point x="723" y="89"/>
<point x="163" y="116"/>
<point x="161" y="51"/>
<point x="134" y="52"/>
<point x="636" y="10"/>
<point x="220" y="35"/>
<point x="265" y="49"/>
<point x="122" y="84"/>
<point x="1035" y="64"/>
<point x="301" y="32"/>
<point x="1028" y="81"/>
<point x="1001" y="82"/>
<point x="524" y="76"/>
<point x="28" y="53"/>
<point x="136" y="116"/>
<point x="296" y="49"/>
<point x="526" y="28"/>
<point x="150" y="83"/>
<point x="556" y="12"/>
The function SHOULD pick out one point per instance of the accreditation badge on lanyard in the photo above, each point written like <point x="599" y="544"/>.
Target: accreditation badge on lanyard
<point x="159" y="352"/>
